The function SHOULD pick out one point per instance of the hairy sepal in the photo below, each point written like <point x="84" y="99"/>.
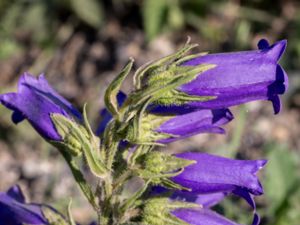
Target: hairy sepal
<point x="158" y="167"/>
<point x="70" y="130"/>
<point x="157" y="211"/>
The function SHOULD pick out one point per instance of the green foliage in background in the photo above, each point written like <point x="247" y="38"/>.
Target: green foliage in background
<point x="38" y="21"/>
<point x="220" y="24"/>
<point x="282" y="182"/>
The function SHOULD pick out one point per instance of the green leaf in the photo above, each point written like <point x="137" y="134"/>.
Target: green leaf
<point x="153" y="13"/>
<point x="36" y="21"/>
<point x="290" y="213"/>
<point x="90" y="11"/>
<point x="176" y="16"/>
<point x="113" y="89"/>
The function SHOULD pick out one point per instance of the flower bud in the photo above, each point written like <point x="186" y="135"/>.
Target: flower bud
<point x="157" y="211"/>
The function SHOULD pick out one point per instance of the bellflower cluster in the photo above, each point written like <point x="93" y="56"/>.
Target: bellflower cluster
<point x="175" y="97"/>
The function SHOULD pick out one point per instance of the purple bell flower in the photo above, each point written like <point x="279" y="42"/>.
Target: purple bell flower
<point x="14" y="210"/>
<point x="184" y="124"/>
<point x="239" y="77"/>
<point x="204" y="215"/>
<point x="35" y="101"/>
<point x="212" y="174"/>
<point x="210" y="180"/>
<point x="207" y="216"/>
<point x="201" y="121"/>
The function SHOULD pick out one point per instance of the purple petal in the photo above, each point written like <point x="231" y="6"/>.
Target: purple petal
<point x="256" y="219"/>
<point x="16" y="193"/>
<point x="218" y="174"/>
<point x="263" y="44"/>
<point x="41" y="86"/>
<point x="202" y="121"/>
<point x="35" y="101"/>
<point x="201" y="217"/>
<point x="205" y="200"/>
<point x="172" y="109"/>
<point x="15" y="212"/>
<point x="239" y="77"/>
<point x="245" y="195"/>
<point x="210" y="200"/>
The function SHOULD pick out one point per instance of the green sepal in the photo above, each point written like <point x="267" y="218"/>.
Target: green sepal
<point x="139" y="151"/>
<point x="190" y="57"/>
<point x="170" y="80"/>
<point x="68" y="128"/>
<point x="53" y="217"/>
<point x="70" y="142"/>
<point x="157" y="211"/>
<point x="159" y="167"/>
<point x="159" y="162"/>
<point x="161" y="179"/>
<point x="141" y="129"/>
<point x="162" y="73"/>
<point x="150" y="66"/>
<point x="113" y="89"/>
<point x="132" y="201"/>
<point x="162" y="90"/>
<point x="94" y="140"/>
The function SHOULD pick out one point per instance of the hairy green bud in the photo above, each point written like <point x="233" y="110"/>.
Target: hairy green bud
<point x="158" y="167"/>
<point x="157" y="211"/>
<point x="159" y="162"/>
<point x="143" y="131"/>
<point x="76" y="140"/>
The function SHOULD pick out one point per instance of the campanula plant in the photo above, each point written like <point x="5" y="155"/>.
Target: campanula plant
<point x="175" y="97"/>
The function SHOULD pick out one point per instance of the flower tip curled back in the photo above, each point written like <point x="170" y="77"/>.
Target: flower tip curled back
<point x="277" y="49"/>
<point x="280" y="85"/>
<point x="16" y="193"/>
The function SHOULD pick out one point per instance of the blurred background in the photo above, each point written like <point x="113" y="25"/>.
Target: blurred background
<point x="81" y="45"/>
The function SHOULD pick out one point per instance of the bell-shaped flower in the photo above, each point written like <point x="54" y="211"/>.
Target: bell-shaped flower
<point x="201" y="121"/>
<point x="203" y="215"/>
<point x="239" y="77"/>
<point x="35" y="101"/>
<point x="212" y="174"/>
<point x="159" y="125"/>
<point x="207" y="216"/>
